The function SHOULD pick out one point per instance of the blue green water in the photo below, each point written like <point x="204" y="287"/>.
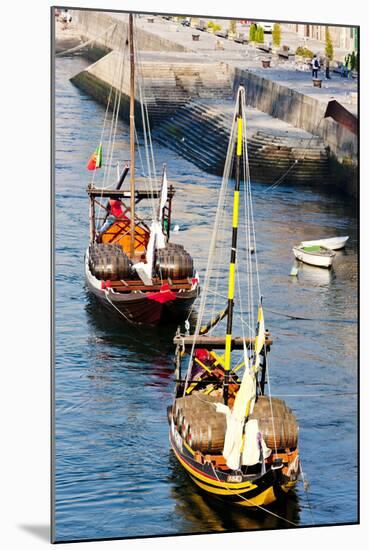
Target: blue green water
<point x="115" y="475"/>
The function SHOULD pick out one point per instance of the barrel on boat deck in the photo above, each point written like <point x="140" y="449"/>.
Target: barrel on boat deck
<point x="174" y="262"/>
<point x="109" y="262"/>
<point x="207" y="436"/>
<point x="276" y="422"/>
<point x="196" y="401"/>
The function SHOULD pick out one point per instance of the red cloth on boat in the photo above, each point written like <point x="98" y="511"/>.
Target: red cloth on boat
<point x="164" y="295"/>
<point x="202" y="354"/>
<point x="116" y="209"/>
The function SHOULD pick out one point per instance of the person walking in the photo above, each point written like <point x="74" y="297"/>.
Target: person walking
<point x="315" y="65"/>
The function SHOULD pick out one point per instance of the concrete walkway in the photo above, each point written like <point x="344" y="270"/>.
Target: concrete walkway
<point x="288" y="73"/>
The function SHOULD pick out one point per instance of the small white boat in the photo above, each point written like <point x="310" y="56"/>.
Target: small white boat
<point x="333" y="243"/>
<point x="319" y="256"/>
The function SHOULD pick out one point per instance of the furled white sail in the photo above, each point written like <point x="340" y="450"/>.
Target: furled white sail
<point x="156" y="240"/>
<point x="243" y="406"/>
<point x="254" y="449"/>
<point x="259" y="337"/>
<point x="241" y="444"/>
<point x="164" y="195"/>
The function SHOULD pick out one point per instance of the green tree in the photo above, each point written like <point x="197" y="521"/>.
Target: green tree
<point x="276" y="35"/>
<point x="252" y="32"/>
<point x="304" y="52"/>
<point x="328" y="45"/>
<point x="259" y="35"/>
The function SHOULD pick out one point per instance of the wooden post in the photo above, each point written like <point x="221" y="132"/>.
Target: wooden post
<point x="132" y="135"/>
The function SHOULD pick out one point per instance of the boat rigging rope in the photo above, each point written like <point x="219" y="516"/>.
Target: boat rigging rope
<point x="276" y="183"/>
<point x="254" y="505"/>
<point x="306" y="485"/>
<point x="121" y="312"/>
<point x="90" y="41"/>
<point x="298" y="318"/>
<point x="114" y="122"/>
<point x="248" y="181"/>
<point x="266" y="359"/>
<point x="310" y="395"/>
<point x="114" y="119"/>
<point x="149" y="151"/>
<point x="210" y="262"/>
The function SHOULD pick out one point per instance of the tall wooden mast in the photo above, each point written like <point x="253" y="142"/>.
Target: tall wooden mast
<point x="232" y="264"/>
<point x="132" y="135"/>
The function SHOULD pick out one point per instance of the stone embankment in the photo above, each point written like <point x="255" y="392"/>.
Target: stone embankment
<point x="188" y="98"/>
<point x="199" y="131"/>
<point x="166" y="82"/>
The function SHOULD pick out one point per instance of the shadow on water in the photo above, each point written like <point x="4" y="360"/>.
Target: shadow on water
<point x="151" y="346"/>
<point x="211" y="514"/>
<point x="107" y="324"/>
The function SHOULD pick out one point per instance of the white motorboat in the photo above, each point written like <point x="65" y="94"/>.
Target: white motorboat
<point x="319" y="256"/>
<point x="333" y="243"/>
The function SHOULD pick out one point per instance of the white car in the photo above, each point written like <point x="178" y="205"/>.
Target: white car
<point x="65" y="16"/>
<point x="267" y="27"/>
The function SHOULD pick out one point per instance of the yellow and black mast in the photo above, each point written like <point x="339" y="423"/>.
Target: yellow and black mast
<point x="132" y="136"/>
<point x="232" y="264"/>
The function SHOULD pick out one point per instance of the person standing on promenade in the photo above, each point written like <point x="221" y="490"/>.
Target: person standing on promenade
<point x="315" y="65"/>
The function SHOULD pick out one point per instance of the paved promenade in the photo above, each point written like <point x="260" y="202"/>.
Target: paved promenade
<point x="288" y="73"/>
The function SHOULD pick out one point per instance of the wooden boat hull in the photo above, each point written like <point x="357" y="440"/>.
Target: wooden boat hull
<point x="136" y="307"/>
<point x="248" y="491"/>
<point x="317" y="260"/>
<point x="333" y="243"/>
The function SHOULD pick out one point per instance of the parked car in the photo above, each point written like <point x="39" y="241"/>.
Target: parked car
<point x="267" y="27"/>
<point x="65" y="16"/>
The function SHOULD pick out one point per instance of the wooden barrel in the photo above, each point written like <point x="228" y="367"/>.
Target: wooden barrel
<point x="204" y="429"/>
<point x="191" y="402"/>
<point x="277" y="423"/>
<point x="190" y="414"/>
<point x="109" y="262"/>
<point x="207" y="436"/>
<point x="174" y="263"/>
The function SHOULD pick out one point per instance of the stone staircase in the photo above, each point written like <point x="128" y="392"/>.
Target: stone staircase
<point x="200" y="132"/>
<point x="171" y="86"/>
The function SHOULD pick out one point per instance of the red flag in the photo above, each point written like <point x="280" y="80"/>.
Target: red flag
<point x="95" y="159"/>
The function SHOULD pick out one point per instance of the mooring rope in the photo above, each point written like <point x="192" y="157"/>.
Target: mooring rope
<point x="275" y="184"/>
<point x="255" y="505"/>
<point x="306" y="485"/>
<point x="299" y="318"/>
<point x="81" y="46"/>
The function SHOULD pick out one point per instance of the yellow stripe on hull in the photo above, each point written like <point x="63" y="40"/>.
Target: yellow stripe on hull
<point x="286" y="487"/>
<point x="245" y="486"/>
<point x="233" y="490"/>
<point x="263" y="499"/>
<point x="227" y="490"/>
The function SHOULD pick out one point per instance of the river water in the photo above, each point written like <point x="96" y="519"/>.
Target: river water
<point x="115" y="475"/>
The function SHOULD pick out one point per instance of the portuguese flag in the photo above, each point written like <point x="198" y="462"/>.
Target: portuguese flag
<point x="95" y="161"/>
